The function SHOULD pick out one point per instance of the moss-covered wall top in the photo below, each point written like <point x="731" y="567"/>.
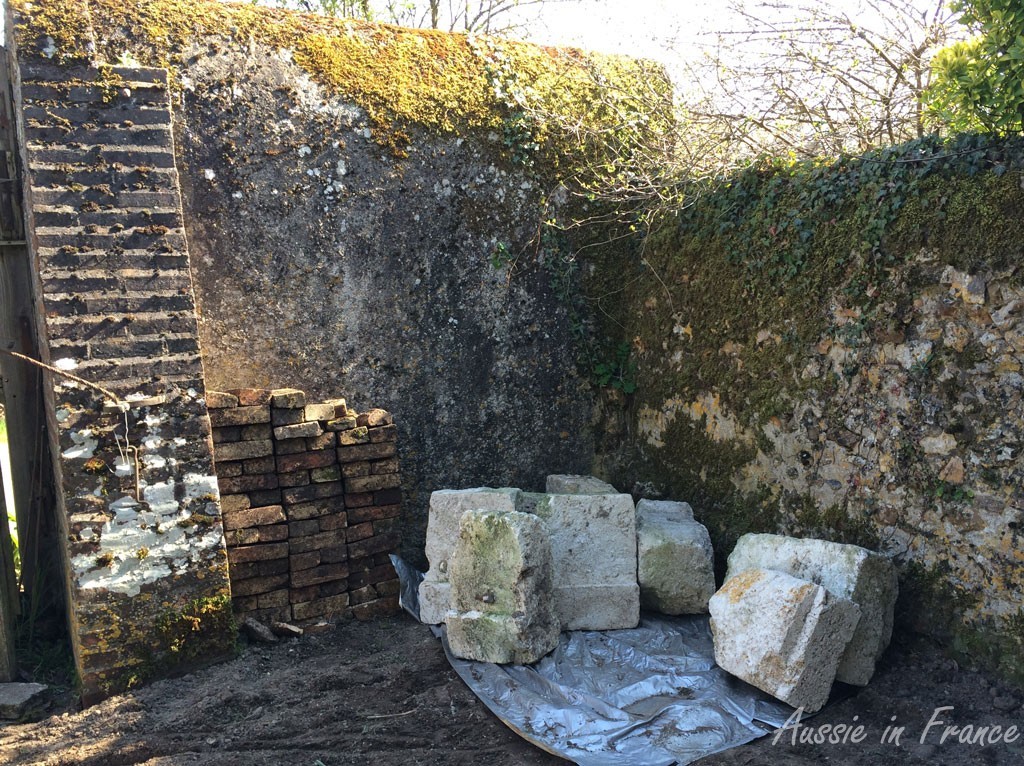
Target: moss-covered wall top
<point x="366" y="211"/>
<point x="835" y="350"/>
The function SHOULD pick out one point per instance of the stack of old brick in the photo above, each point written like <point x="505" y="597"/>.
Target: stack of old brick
<point x="310" y="498"/>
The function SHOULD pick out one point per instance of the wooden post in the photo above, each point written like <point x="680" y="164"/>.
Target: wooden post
<point x="19" y="384"/>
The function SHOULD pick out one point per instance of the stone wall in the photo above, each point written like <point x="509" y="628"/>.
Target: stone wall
<point x="866" y="397"/>
<point x="138" y="504"/>
<point x="311" y="500"/>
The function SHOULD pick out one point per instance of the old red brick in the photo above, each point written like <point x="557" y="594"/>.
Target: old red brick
<point x="260" y="465"/>
<point x="384" y="466"/>
<point x="239" y="416"/>
<point x="362" y="595"/>
<point x="297" y="430"/>
<point x="258" y="552"/>
<point x="333" y="521"/>
<point x="305" y="461"/>
<point x="331" y="606"/>
<point x="298" y="595"/>
<point x="249" y="397"/>
<point x="323" y="441"/>
<point x="242" y="450"/>
<point x="294" y="479"/>
<point x="359" y="532"/>
<point x="312" y="492"/>
<point x="304" y="560"/>
<point x="354" y="436"/>
<point x="334" y="554"/>
<point x="353" y="470"/>
<point x="318" y="541"/>
<point x="290" y="446"/>
<point x="256" y="585"/>
<point x="383" y="434"/>
<point x="373" y="483"/>
<point x="375" y="417"/>
<point x="373" y="513"/>
<point x="234" y="503"/>
<point x="303" y="528"/>
<point x="341" y="424"/>
<point x="276" y="598"/>
<point x="218" y="400"/>
<point x="357" y="500"/>
<point x="319" y="574"/>
<point x="375" y="544"/>
<point x="312" y="510"/>
<point x="366" y="452"/>
<point x="291" y="398"/>
<point x="240" y="484"/>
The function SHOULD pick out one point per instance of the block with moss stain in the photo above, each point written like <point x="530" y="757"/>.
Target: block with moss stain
<point x="675" y="561"/>
<point x="848" y="571"/>
<point x="446" y="508"/>
<point x="593" y="545"/>
<point x="781" y="634"/>
<point x="502" y="608"/>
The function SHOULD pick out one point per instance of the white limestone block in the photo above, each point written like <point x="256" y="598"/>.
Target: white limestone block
<point x="446" y="508"/>
<point x="848" y="571"/>
<point x="500" y="574"/>
<point x="593" y="545"/>
<point x="675" y="565"/>
<point x="781" y="634"/>
<point x="569" y="484"/>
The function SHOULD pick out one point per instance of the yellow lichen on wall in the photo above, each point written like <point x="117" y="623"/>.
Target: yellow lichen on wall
<point x="400" y="77"/>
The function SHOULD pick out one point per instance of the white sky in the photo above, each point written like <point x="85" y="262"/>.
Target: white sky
<point x="649" y="28"/>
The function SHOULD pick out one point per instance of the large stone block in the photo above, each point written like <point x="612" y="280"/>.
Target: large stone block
<point x="566" y="484"/>
<point x="500" y="573"/>
<point x="675" y="560"/>
<point x="446" y="508"/>
<point x="593" y="545"/>
<point x="866" y="578"/>
<point x="781" y="634"/>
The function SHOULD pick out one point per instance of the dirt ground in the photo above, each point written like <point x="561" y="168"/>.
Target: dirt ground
<point x="382" y="693"/>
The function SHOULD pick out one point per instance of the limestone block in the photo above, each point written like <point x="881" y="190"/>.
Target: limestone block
<point x="675" y="566"/>
<point x="782" y="634"/>
<point x="848" y="571"/>
<point x="501" y="589"/>
<point x="567" y="484"/>
<point x="446" y="508"/>
<point x="593" y="545"/>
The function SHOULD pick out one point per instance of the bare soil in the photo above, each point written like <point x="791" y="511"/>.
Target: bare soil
<point x="382" y="693"/>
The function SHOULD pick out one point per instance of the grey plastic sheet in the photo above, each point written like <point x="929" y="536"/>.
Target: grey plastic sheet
<point x="650" y="696"/>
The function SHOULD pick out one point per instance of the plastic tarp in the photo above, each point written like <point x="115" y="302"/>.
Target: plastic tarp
<point x="650" y="696"/>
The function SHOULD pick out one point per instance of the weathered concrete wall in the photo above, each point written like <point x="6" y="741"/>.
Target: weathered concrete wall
<point x="323" y="258"/>
<point x="138" y="501"/>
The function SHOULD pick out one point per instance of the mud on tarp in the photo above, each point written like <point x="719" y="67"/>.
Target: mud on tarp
<point x="649" y="696"/>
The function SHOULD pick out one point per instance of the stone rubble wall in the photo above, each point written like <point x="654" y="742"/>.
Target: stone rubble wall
<point x="144" y="547"/>
<point x="311" y="500"/>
